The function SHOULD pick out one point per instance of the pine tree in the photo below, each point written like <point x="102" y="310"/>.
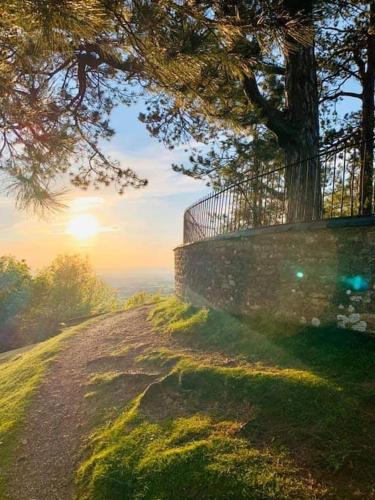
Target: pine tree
<point x="229" y="53"/>
<point x="347" y="54"/>
<point x="56" y="97"/>
<point x="239" y="76"/>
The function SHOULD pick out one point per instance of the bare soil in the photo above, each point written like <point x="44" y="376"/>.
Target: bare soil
<point x="68" y="405"/>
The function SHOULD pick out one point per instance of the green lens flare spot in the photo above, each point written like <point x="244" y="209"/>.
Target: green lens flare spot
<point x="357" y="283"/>
<point x="300" y="274"/>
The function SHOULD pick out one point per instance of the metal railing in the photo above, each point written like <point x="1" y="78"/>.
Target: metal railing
<point x="327" y="186"/>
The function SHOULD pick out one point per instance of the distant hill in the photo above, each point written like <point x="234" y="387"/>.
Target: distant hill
<point x="148" y="280"/>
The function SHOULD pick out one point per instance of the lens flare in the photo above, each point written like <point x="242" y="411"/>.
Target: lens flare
<point x="357" y="283"/>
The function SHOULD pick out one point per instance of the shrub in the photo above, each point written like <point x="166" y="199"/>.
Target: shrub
<point x="15" y="287"/>
<point x="66" y="289"/>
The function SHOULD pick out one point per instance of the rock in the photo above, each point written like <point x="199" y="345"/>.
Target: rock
<point x="315" y="322"/>
<point x="354" y="318"/>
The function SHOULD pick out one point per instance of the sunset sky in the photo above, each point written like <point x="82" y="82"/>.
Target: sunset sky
<point x="137" y="230"/>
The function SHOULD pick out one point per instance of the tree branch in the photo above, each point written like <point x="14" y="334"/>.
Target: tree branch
<point x="271" y="69"/>
<point x="130" y="65"/>
<point x="342" y="93"/>
<point x="274" y="119"/>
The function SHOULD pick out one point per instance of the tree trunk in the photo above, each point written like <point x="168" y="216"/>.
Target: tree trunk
<point x="367" y="123"/>
<point x="303" y="183"/>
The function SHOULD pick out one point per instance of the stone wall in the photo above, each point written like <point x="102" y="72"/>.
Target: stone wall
<point x="313" y="273"/>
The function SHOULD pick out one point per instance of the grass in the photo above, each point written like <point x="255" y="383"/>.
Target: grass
<point x="236" y="409"/>
<point x="142" y="299"/>
<point x="103" y="378"/>
<point x="186" y="458"/>
<point x="160" y="357"/>
<point x="21" y="372"/>
<point x="14" y="353"/>
<point x="242" y="409"/>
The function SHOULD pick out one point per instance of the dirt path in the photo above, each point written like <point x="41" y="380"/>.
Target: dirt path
<point x="60" y="415"/>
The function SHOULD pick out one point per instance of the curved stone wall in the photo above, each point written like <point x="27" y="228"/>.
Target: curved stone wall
<point x="312" y="273"/>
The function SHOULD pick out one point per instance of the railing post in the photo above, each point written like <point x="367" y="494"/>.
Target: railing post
<point x="330" y="185"/>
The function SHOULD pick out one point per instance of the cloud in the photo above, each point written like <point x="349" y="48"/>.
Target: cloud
<point x="154" y="164"/>
<point x="85" y="203"/>
<point x="5" y="201"/>
<point x="108" y="229"/>
<point x="138" y="229"/>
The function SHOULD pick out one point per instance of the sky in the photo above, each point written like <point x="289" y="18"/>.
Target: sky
<point x="135" y="231"/>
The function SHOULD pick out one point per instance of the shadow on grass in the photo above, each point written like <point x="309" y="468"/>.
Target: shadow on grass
<point x="224" y="433"/>
<point x="287" y="408"/>
<point x="337" y="354"/>
<point x="318" y="398"/>
<point x="289" y="417"/>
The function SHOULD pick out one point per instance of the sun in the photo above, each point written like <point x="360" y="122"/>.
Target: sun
<point x="83" y="227"/>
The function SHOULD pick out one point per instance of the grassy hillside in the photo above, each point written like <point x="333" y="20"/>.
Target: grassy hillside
<point x="21" y="372"/>
<point x="222" y="408"/>
<point x="240" y="410"/>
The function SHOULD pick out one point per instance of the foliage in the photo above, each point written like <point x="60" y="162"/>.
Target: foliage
<point x="242" y="409"/>
<point x="65" y="67"/>
<point x="66" y="289"/>
<point x="343" y="57"/>
<point x="348" y="55"/>
<point x="56" y="95"/>
<point x="15" y="284"/>
<point x="231" y="96"/>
